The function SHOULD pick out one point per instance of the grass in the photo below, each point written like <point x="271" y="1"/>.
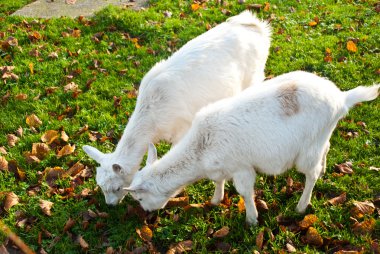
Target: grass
<point x="114" y="50"/>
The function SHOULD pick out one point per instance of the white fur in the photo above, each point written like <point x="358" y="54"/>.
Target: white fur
<point x="267" y="129"/>
<point x="215" y="65"/>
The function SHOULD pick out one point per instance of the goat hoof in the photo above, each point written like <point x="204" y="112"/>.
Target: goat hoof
<point x="251" y="222"/>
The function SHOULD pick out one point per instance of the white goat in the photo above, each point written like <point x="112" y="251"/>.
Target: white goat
<point x="215" y="65"/>
<point x="267" y="129"/>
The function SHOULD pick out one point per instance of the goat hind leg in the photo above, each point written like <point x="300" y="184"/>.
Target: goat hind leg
<point x="311" y="179"/>
<point x="218" y="193"/>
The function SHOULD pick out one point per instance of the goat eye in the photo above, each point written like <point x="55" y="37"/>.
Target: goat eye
<point x="140" y="199"/>
<point x="118" y="189"/>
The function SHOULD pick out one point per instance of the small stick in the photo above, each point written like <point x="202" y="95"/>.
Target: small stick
<point x="16" y="240"/>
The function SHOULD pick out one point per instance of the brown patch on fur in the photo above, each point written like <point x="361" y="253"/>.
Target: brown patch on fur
<point x="287" y="96"/>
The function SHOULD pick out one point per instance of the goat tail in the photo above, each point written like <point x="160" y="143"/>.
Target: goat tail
<point x="248" y="19"/>
<point x="361" y="93"/>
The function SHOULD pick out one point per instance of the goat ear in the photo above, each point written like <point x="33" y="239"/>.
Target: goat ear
<point x="117" y="168"/>
<point x="93" y="153"/>
<point x="152" y="154"/>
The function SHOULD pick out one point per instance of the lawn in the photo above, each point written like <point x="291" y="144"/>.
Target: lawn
<point x="70" y="82"/>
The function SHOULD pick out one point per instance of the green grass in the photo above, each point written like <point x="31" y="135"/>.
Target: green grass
<point x="295" y="46"/>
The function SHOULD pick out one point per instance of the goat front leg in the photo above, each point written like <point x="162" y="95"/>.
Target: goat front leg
<point x="218" y="193"/>
<point x="244" y="183"/>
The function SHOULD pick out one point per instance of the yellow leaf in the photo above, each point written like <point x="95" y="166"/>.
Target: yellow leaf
<point x="31" y="68"/>
<point x="267" y="6"/>
<point x="328" y="50"/>
<point x="241" y="205"/>
<point x="33" y="121"/>
<point x="351" y="46"/>
<point x="136" y="42"/>
<point x="49" y="136"/>
<point x="309" y="220"/>
<point x="66" y="150"/>
<point x="3" y="163"/>
<point x="313" y="237"/>
<point x="312" y="23"/>
<point x="195" y="7"/>
<point x="145" y="233"/>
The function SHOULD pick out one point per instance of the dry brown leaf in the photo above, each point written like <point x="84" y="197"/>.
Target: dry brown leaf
<point x="75" y="169"/>
<point x="40" y="150"/>
<point x="260" y="240"/>
<point x="338" y="200"/>
<point x="64" y="136"/>
<point x="313" y="237"/>
<point x="308" y="221"/>
<point x="261" y="205"/>
<point x="351" y="46"/>
<point x="290" y="248"/>
<point x="66" y="150"/>
<point x="49" y="136"/>
<point x="83" y="244"/>
<point x="70" y="87"/>
<point x="3" y="163"/>
<point x="53" y="55"/>
<point x="68" y="225"/>
<point x="365" y="227"/>
<point x="241" y="205"/>
<point x="189" y="206"/>
<point x="76" y="32"/>
<point x="362" y="208"/>
<point x="345" y="168"/>
<point x="19" y="132"/>
<point x="180" y="247"/>
<point x="21" y="96"/>
<point x="12" y="140"/>
<point x="221" y="232"/>
<point x="46" y="206"/>
<point x="145" y="233"/>
<point x="33" y="121"/>
<point x="11" y="199"/>
<point x="3" y="150"/>
<point x="53" y="174"/>
<point x="31" y="158"/>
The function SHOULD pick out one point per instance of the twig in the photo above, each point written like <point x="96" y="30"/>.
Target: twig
<point x="16" y="240"/>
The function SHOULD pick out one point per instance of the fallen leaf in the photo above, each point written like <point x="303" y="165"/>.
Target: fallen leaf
<point x="362" y="208"/>
<point x="66" y="150"/>
<point x="70" y="87"/>
<point x="260" y="240"/>
<point x="221" y="232"/>
<point x="68" y="225"/>
<point x="241" y="205"/>
<point x="195" y="7"/>
<point x="46" y="206"/>
<point x="188" y="207"/>
<point x="11" y="199"/>
<point x="308" y="221"/>
<point x="313" y="23"/>
<point x="76" y="32"/>
<point x="290" y="248"/>
<point x="145" y="233"/>
<point x="351" y="46"/>
<point x="64" y="136"/>
<point x="49" y="136"/>
<point x="365" y="227"/>
<point x="12" y="140"/>
<point x="31" y="158"/>
<point x="3" y="163"/>
<point x="3" y="150"/>
<point x="33" y="121"/>
<point x="313" y="237"/>
<point x="180" y="247"/>
<point x="21" y="97"/>
<point x="82" y="243"/>
<point x="223" y="247"/>
<point x="19" y="131"/>
<point x="261" y="205"/>
<point x="53" y="174"/>
<point x="53" y="55"/>
<point x="345" y="168"/>
<point x="338" y="200"/>
<point x="41" y="150"/>
<point x="267" y="6"/>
